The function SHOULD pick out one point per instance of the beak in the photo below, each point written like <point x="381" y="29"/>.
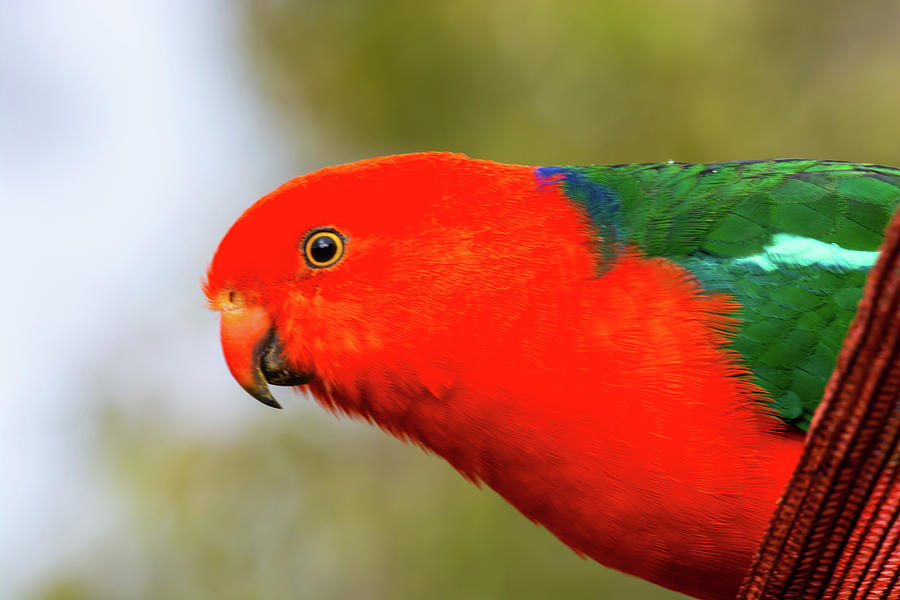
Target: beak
<point x="254" y="354"/>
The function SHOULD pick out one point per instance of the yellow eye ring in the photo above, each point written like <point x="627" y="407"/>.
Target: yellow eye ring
<point x="323" y="248"/>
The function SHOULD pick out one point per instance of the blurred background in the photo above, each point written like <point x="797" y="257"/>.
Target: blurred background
<point x="133" y="134"/>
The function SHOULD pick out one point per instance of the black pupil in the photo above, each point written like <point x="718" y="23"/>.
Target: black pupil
<point x="322" y="249"/>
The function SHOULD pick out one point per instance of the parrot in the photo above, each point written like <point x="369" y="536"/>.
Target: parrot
<point x="629" y="354"/>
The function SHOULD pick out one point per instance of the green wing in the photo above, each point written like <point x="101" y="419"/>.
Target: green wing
<point x="791" y="240"/>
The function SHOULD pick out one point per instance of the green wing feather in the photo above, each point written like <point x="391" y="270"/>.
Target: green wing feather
<point x="791" y="240"/>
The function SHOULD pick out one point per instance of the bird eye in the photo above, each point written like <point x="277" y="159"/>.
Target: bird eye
<point x="323" y="248"/>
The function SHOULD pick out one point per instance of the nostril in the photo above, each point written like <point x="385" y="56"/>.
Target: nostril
<point x="231" y="300"/>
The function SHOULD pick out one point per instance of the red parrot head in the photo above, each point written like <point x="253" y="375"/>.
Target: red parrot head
<point x="390" y="278"/>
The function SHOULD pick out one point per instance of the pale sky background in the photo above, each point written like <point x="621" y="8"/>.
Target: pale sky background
<point x="130" y="138"/>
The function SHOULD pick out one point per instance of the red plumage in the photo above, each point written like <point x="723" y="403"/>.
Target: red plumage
<point x="467" y="315"/>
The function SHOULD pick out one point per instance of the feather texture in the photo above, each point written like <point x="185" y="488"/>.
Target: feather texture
<point x="791" y="240"/>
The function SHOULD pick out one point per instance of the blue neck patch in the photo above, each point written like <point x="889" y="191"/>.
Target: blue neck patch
<point x="600" y="202"/>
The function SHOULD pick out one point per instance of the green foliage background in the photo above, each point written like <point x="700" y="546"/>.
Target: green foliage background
<point x="544" y="82"/>
<point x="306" y="506"/>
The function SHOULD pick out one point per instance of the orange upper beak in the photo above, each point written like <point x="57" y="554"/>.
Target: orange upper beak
<point x="254" y="353"/>
<point x="246" y="334"/>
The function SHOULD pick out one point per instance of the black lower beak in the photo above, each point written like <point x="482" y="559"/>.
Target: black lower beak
<point x="275" y="370"/>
